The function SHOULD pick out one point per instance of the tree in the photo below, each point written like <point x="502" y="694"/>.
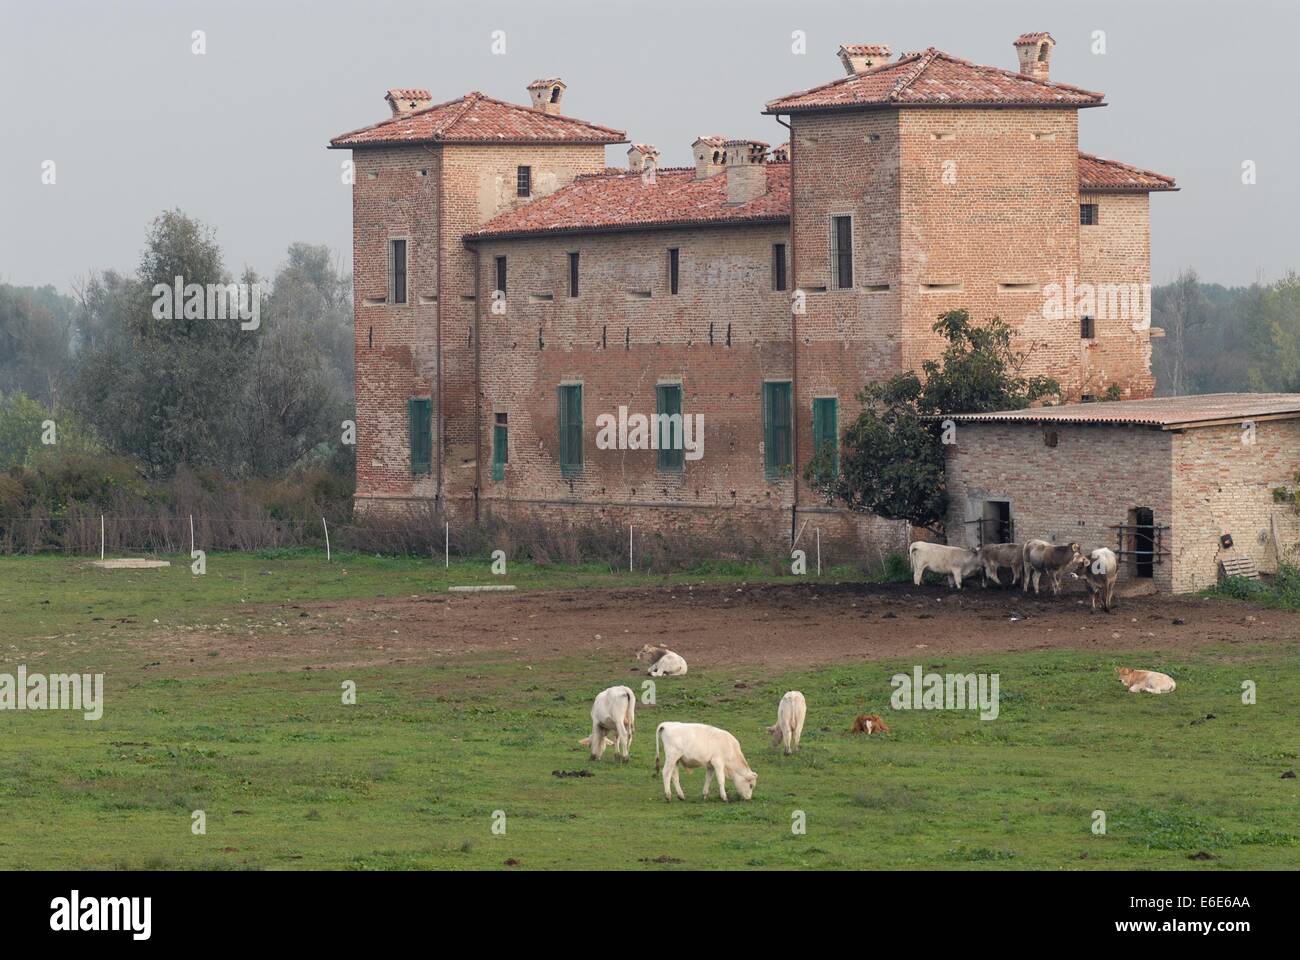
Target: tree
<point x="1274" y="337"/>
<point x="892" y="463"/>
<point x="1181" y="311"/>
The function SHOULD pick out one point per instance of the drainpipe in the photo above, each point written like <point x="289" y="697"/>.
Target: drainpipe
<point x="795" y="415"/>
<point x="478" y="379"/>
<point x="442" y="172"/>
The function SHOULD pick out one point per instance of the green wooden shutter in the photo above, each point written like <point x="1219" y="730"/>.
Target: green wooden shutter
<point x="826" y="431"/>
<point x="420" y="421"/>
<point x="500" y="451"/>
<point x="570" y="396"/>
<point x="776" y="428"/>
<point x="668" y="401"/>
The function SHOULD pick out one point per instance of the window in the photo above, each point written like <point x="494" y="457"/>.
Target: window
<point x="573" y="274"/>
<point x="523" y="181"/>
<point x="778" y="266"/>
<point x="826" y="432"/>
<point x="842" y="252"/>
<point x="668" y="405"/>
<point x="397" y="271"/>
<point x="1088" y="214"/>
<point x="1087" y="328"/>
<point x="419" y="413"/>
<point x="501" y="274"/>
<point x="500" y="447"/>
<point x="777" y="428"/>
<point x="674" y="261"/>
<point x="570" y="429"/>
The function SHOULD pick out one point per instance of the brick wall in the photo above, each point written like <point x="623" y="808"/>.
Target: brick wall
<point x="1222" y="485"/>
<point x="1117" y="250"/>
<point x="1073" y="492"/>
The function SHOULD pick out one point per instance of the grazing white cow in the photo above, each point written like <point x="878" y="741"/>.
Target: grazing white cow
<point x="614" y="710"/>
<point x="700" y="745"/>
<point x="663" y="662"/>
<point x="1145" y="681"/>
<point x="1099" y="571"/>
<point x="956" y="562"/>
<point x="790" y="715"/>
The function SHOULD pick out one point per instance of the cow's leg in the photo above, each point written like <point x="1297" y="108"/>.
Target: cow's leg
<point x="677" y="782"/>
<point x="708" y="779"/>
<point x="621" y="743"/>
<point x="720" y="771"/>
<point x="597" y="740"/>
<point x="917" y="574"/>
<point x="670" y="774"/>
<point x="1029" y="575"/>
<point x="956" y="578"/>
<point x="788" y="737"/>
<point x="798" y="733"/>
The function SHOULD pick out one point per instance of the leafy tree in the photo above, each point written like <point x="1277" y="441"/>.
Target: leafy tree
<point x="892" y="463"/>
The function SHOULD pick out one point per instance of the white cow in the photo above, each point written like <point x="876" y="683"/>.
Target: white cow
<point x="700" y="745"/>
<point x="790" y="715"/>
<point x="614" y="710"/>
<point x="1145" y="681"/>
<point x="663" y="662"/>
<point x="956" y="562"/>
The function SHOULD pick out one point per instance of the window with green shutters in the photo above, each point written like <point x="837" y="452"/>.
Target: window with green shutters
<point x="500" y="447"/>
<point x="668" y="403"/>
<point x="777" y="429"/>
<point x="419" y="413"/>
<point x="826" y="431"/>
<point x="570" y="429"/>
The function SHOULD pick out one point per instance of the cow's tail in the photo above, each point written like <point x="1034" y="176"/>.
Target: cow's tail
<point x="629" y="715"/>
<point x="658" y="733"/>
<point x="911" y="556"/>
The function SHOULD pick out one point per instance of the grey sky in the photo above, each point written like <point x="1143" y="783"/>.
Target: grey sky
<point x="136" y="123"/>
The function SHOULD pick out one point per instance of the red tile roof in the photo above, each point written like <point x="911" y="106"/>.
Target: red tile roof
<point x="478" y="118"/>
<point x="935" y="78"/>
<point x="618" y="200"/>
<point x="623" y="201"/>
<point x="1166" y="412"/>
<point x="1110" y="176"/>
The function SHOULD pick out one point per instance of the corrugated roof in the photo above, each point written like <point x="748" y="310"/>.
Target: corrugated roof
<point x="935" y="78"/>
<point x="1166" y="412"/>
<point x="478" y="118"/>
<point x="625" y="201"/>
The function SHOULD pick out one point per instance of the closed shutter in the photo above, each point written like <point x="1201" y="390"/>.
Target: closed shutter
<point x="668" y="403"/>
<point x="826" y="432"/>
<point x="500" y="451"/>
<point x="570" y="429"/>
<point x="419" y="415"/>
<point x="776" y="428"/>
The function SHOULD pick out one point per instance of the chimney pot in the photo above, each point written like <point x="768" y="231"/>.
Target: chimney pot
<point x="404" y="100"/>
<point x="861" y="57"/>
<point x="746" y="170"/>
<point x="710" y="155"/>
<point x="1034" y="51"/>
<point x="547" y="94"/>
<point x="642" y="156"/>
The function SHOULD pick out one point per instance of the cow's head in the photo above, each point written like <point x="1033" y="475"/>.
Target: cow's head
<point x="744" y="781"/>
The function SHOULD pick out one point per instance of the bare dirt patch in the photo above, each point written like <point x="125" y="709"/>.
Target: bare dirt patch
<point x="777" y="625"/>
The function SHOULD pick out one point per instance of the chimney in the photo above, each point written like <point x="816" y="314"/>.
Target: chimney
<point x="408" y="101"/>
<point x="547" y="94"/>
<point x="780" y="154"/>
<point x="860" y="57"/>
<point x="642" y="156"/>
<point x="1035" y="53"/>
<point x="710" y="156"/>
<point x="746" y="170"/>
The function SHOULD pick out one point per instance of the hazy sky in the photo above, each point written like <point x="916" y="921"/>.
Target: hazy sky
<point x="136" y="123"/>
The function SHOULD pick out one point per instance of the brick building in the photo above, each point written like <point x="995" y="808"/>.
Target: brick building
<point x="1159" y="480"/>
<point x="511" y="289"/>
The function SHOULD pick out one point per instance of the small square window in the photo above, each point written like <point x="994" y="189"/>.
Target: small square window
<point x="1087" y="328"/>
<point x="524" y="181"/>
<point x="1088" y="214"/>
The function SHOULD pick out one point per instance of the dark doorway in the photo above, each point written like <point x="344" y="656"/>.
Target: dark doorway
<point x="995" y="522"/>
<point x="1144" y="535"/>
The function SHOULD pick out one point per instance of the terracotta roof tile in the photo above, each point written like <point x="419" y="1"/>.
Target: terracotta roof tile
<point x="623" y="201"/>
<point x="478" y="118"/>
<point x="935" y="78"/>
<point x="617" y="199"/>
<point x="1110" y="176"/>
<point x="1165" y="412"/>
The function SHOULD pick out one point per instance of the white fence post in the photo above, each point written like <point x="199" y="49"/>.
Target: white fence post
<point x="101" y="536"/>
<point x="446" y="545"/>
<point x="191" y="534"/>
<point x="629" y="549"/>
<point x="819" y="551"/>
<point x="327" y="539"/>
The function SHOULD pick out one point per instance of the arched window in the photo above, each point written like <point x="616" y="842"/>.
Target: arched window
<point x="555" y="94"/>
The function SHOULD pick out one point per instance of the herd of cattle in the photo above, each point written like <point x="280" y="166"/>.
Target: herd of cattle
<point x="1028" y="562"/>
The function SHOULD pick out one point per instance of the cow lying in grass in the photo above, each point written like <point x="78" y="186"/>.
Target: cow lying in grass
<point x="869" y="723"/>
<point x="700" y="745"/>
<point x="1145" y="681"/>
<point x="663" y="662"/>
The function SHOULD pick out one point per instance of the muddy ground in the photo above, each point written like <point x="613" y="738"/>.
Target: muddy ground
<point x="777" y="625"/>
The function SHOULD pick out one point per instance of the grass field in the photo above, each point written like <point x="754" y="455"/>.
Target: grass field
<point x="413" y="773"/>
